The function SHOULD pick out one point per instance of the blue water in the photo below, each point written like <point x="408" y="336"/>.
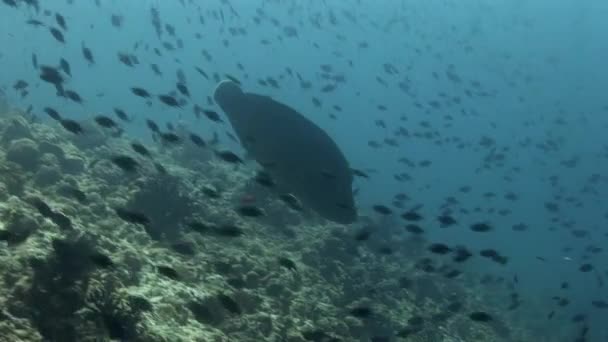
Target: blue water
<point x="541" y="64"/>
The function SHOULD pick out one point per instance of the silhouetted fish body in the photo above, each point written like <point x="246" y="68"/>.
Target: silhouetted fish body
<point x="299" y="155"/>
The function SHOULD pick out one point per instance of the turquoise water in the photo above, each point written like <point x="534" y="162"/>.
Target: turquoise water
<point x="506" y="97"/>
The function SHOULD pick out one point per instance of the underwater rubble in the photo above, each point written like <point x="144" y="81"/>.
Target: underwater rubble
<point x="93" y="253"/>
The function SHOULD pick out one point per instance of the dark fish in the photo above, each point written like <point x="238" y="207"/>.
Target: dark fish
<point x="229" y="304"/>
<point x="52" y="113"/>
<point x="291" y="201"/>
<point x="101" y="260"/>
<point x="168" y="272"/>
<point x="132" y="216"/>
<point x="264" y="178"/>
<point x="170" y="138"/>
<point x="361" y="312"/>
<point x="287" y="263"/>
<point x="461" y="254"/>
<point x="414" y="229"/>
<point x="446" y="220"/>
<point x="126" y="163"/>
<point x="60" y="21"/>
<point x="34" y="22"/>
<point x="480" y="316"/>
<point x="212" y="115"/>
<point x="411" y="216"/>
<point x="71" y="126"/>
<point x="152" y="126"/>
<point x="20" y="85"/>
<point x="197" y="140"/>
<point x="585" y="268"/>
<point x="360" y="173"/>
<point x="439" y="248"/>
<point x="363" y="234"/>
<point x="480" y="227"/>
<point x="65" y="66"/>
<point x="77" y="194"/>
<point x="169" y="100"/>
<point x="271" y="131"/>
<point x="105" y="121"/>
<point x="250" y="211"/>
<point x="183" y="89"/>
<point x="140" y="92"/>
<point x="140" y="149"/>
<point x="87" y="54"/>
<point x="51" y="75"/>
<point x="382" y="209"/>
<point x="72" y="95"/>
<point x="229" y="231"/>
<point x="57" y="34"/>
<point x="229" y="157"/>
<point x="121" y="114"/>
<point x="43" y="208"/>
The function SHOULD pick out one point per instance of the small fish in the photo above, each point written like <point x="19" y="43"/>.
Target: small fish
<point x="61" y="220"/>
<point x="170" y="138"/>
<point x="169" y="100"/>
<point x="287" y="263"/>
<point x="52" y="113"/>
<point x="462" y="254"/>
<point x="57" y="34"/>
<point x="126" y="163"/>
<point x="168" y="272"/>
<point x="361" y="312"/>
<point x="60" y="21"/>
<point x="72" y="95"/>
<point x="480" y="316"/>
<point x="264" y="178"/>
<point x="140" y="149"/>
<point x="229" y="231"/>
<point x="152" y="126"/>
<point x="71" y="126"/>
<point x="132" y="216"/>
<point x="439" y="248"/>
<point x="229" y="304"/>
<point x="65" y="66"/>
<point x="197" y="140"/>
<point x="480" y="227"/>
<point x="212" y="115"/>
<point x="183" y="89"/>
<point x="292" y="202"/>
<point x="101" y="260"/>
<point x="229" y="157"/>
<point x="87" y="54"/>
<point x="140" y="92"/>
<point x="77" y="194"/>
<point x="446" y="220"/>
<point x="411" y="216"/>
<point x="363" y="235"/>
<point x="414" y="229"/>
<point x="43" y="208"/>
<point x="382" y="209"/>
<point x="121" y="115"/>
<point x="250" y="211"/>
<point x="585" y="268"/>
<point x="105" y="121"/>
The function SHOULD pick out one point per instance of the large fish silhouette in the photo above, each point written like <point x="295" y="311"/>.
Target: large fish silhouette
<point x="300" y="156"/>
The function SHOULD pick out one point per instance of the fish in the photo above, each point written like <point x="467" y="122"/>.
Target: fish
<point x="169" y="100"/>
<point x="292" y="201"/>
<point x="57" y="34"/>
<point x="480" y="316"/>
<point x="287" y="263"/>
<point x="361" y="311"/>
<point x="71" y="126"/>
<point x="132" y="216"/>
<point x="105" y="121"/>
<point x="140" y="92"/>
<point x="439" y="248"/>
<point x="382" y="209"/>
<point x="52" y="113"/>
<point x="197" y="140"/>
<point x="126" y="163"/>
<point x="250" y="211"/>
<point x="480" y="227"/>
<point x="229" y="157"/>
<point x="298" y="151"/>
<point x="229" y="304"/>
<point x="168" y="272"/>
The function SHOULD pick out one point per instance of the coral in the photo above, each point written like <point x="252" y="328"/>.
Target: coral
<point x="14" y="128"/>
<point x="18" y="226"/>
<point x="25" y="153"/>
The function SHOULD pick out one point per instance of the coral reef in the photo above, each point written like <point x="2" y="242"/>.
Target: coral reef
<point x="197" y="271"/>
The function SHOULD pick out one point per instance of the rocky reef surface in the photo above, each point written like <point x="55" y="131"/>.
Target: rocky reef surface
<point x="78" y="264"/>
